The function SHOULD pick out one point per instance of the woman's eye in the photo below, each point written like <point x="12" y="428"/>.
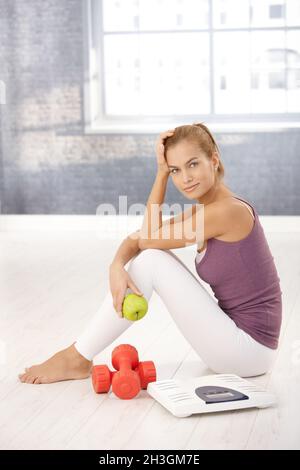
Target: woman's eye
<point x="175" y="169"/>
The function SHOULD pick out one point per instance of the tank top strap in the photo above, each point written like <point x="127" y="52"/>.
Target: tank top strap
<point x="246" y="203"/>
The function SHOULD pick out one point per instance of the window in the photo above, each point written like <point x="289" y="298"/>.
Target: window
<point x="156" y="63"/>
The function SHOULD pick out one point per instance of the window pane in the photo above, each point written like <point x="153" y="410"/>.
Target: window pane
<point x="121" y="56"/>
<point x="267" y="12"/>
<point x="231" y="72"/>
<point x="293" y="71"/>
<point x="133" y="15"/>
<point x="268" y="78"/>
<point x="156" y="74"/>
<point x="173" y="14"/>
<point x="149" y="72"/>
<point x="292" y="12"/>
<point x="230" y="13"/>
<point x="120" y="15"/>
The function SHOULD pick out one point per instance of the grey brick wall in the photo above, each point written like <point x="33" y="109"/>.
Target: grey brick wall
<point x="48" y="165"/>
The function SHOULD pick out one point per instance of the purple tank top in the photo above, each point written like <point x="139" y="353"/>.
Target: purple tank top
<point x="244" y="279"/>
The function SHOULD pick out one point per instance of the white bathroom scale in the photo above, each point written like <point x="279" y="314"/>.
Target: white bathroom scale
<point x="209" y="393"/>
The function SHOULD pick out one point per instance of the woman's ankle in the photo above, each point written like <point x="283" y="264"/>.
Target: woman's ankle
<point x="75" y="355"/>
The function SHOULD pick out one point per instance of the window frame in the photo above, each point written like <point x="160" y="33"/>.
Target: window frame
<point x="96" y="122"/>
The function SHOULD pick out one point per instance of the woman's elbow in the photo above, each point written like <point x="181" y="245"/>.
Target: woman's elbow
<point x="142" y="244"/>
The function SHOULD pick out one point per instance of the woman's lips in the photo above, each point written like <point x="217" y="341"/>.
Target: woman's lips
<point x="192" y="188"/>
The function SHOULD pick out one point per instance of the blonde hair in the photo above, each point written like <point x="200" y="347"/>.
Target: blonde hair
<point x="199" y="134"/>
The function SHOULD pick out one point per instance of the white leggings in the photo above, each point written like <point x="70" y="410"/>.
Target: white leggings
<point x="221" y="345"/>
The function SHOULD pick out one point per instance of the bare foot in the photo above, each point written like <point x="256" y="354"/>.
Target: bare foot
<point x="66" y="364"/>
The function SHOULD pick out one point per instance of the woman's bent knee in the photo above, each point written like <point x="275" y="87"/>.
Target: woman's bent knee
<point x="147" y="255"/>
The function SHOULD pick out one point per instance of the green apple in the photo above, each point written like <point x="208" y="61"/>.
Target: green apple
<point x="134" y="307"/>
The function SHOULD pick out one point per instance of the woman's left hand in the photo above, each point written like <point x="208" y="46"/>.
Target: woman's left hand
<point x="162" y="165"/>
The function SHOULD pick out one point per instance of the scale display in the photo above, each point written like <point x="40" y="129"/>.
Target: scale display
<point x="219" y="394"/>
<point x="210" y="393"/>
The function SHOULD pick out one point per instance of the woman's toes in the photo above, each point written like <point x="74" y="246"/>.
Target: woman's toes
<point x="37" y="380"/>
<point x="30" y="379"/>
<point x="24" y="375"/>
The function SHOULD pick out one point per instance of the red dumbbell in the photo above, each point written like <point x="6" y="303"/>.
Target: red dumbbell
<point x="132" y="375"/>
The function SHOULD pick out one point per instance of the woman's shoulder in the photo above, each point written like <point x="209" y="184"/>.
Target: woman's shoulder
<point x="242" y="219"/>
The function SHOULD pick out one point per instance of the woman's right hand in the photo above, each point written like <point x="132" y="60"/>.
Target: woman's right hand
<point x="162" y="165"/>
<point x="119" y="281"/>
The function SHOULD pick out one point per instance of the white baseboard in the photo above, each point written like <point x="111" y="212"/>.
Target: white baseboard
<point x="104" y="226"/>
<point x="114" y="226"/>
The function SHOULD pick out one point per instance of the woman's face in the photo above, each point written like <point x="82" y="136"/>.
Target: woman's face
<point x="189" y="166"/>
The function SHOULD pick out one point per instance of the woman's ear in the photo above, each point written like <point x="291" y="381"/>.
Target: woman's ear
<point x="215" y="159"/>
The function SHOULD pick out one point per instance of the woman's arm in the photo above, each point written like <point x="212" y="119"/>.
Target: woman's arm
<point x="127" y="250"/>
<point x="130" y="245"/>
<point x="151" y="223"/>
<point x="153" y="216"/>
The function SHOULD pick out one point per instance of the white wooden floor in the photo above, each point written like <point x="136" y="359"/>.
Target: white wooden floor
<point x="50" y="286"/>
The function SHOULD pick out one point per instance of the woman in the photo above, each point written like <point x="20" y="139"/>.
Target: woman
<point x="238" y="333"/>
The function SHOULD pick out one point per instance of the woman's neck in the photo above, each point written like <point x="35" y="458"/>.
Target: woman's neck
<point x="215" y="194"/>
